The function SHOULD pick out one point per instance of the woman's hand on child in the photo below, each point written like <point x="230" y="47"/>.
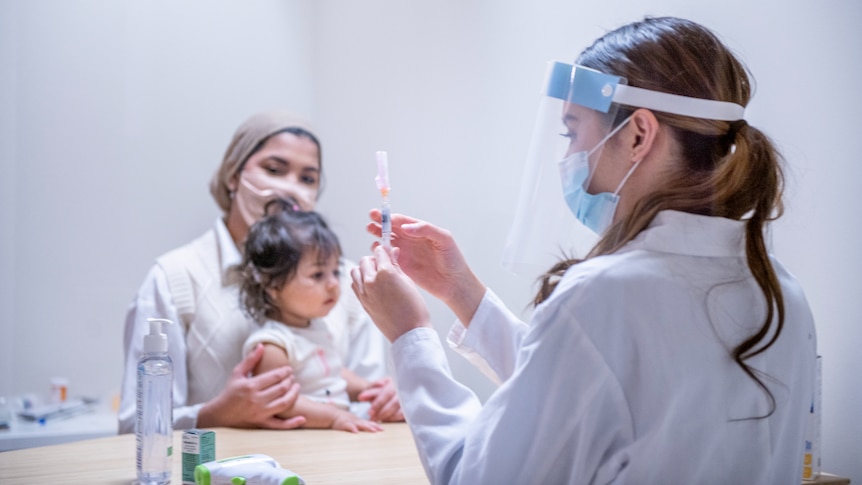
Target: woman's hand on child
<point x="385" y="406"/>
<point x="253" y="402"/>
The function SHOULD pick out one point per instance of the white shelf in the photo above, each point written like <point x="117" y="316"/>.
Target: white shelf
<point x="95" y="423"/>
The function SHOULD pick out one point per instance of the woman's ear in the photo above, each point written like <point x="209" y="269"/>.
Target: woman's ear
<point x="233" y="183"/>
<point x="645" y="127"/>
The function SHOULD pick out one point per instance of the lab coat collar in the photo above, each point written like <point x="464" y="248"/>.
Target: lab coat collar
<point x="691" y="234"/>
<point x="229" y="255"/>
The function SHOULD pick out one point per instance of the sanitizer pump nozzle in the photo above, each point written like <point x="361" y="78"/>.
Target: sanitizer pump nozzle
<point x="156" y="341"/>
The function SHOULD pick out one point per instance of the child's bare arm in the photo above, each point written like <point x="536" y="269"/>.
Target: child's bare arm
<point x="322" y="415"/>
<point x="273" y="358"/>
<point x="355" y="384"/>
<point x="317" y="414"/>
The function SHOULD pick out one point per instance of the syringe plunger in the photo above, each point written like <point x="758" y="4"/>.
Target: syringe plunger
<point x="382" y="178"/>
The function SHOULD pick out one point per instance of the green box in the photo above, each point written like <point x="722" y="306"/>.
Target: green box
<point x="198" y="447"/>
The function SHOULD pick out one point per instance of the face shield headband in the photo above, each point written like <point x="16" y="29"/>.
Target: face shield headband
<point x="544" y="230"/>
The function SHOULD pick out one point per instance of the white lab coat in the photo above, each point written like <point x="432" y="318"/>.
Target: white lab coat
<point x="624" y="374"/>
<point x="363" y="350"/>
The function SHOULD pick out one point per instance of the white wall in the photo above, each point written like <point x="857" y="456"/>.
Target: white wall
<point x="114" y="116"/>
<point x="101" y="102"/>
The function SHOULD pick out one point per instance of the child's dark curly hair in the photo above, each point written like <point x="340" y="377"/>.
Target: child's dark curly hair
<point x="273" y="248"/>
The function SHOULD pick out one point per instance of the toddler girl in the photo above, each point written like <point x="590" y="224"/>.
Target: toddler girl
<point x="290" y="282"/>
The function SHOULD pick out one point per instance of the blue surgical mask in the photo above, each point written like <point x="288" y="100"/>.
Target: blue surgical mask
<point x="596" y="211"/>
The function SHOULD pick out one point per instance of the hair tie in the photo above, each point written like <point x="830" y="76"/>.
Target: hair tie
<point x="736" y="127"/>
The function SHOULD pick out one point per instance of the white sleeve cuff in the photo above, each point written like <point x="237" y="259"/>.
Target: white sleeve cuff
<point x="492" y="339"/>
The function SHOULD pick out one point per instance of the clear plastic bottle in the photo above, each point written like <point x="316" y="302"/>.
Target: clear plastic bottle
<point x="154" y="420"/>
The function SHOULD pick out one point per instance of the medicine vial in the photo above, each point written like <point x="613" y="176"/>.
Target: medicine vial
<point x="154" y="418"/>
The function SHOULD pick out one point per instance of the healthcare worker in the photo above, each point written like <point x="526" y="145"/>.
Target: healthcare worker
<point x="272" y="154"/>
<point x="678" y="350"/>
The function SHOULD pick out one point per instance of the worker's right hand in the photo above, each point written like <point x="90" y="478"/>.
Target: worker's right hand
<point x="253" y="402"/>
<point x="431" y="258"/>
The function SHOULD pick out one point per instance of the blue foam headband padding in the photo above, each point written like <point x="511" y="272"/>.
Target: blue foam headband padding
<point x="587" y="87"/>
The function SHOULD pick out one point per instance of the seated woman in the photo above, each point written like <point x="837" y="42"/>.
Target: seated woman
<point x="272" y="154"/>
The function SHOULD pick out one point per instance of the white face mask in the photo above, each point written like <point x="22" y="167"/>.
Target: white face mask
<point x="251" y="201"/>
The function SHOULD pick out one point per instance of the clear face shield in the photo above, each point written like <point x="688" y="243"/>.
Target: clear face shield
<point x="575" y="117"/>
<point x="557" y="217"/>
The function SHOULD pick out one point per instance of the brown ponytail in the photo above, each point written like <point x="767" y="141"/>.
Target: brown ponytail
<point x="730" y="169"/>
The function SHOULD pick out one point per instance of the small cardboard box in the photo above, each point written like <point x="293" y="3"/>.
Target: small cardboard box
<point x="198" y="447"/>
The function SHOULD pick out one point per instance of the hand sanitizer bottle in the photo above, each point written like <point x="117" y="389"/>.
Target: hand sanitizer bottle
<point x="154" y="420"/>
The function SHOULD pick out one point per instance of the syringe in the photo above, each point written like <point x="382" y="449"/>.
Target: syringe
<point x="382" y="180"/>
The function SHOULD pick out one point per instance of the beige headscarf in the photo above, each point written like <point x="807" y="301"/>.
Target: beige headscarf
<point x="247" y="137"/>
